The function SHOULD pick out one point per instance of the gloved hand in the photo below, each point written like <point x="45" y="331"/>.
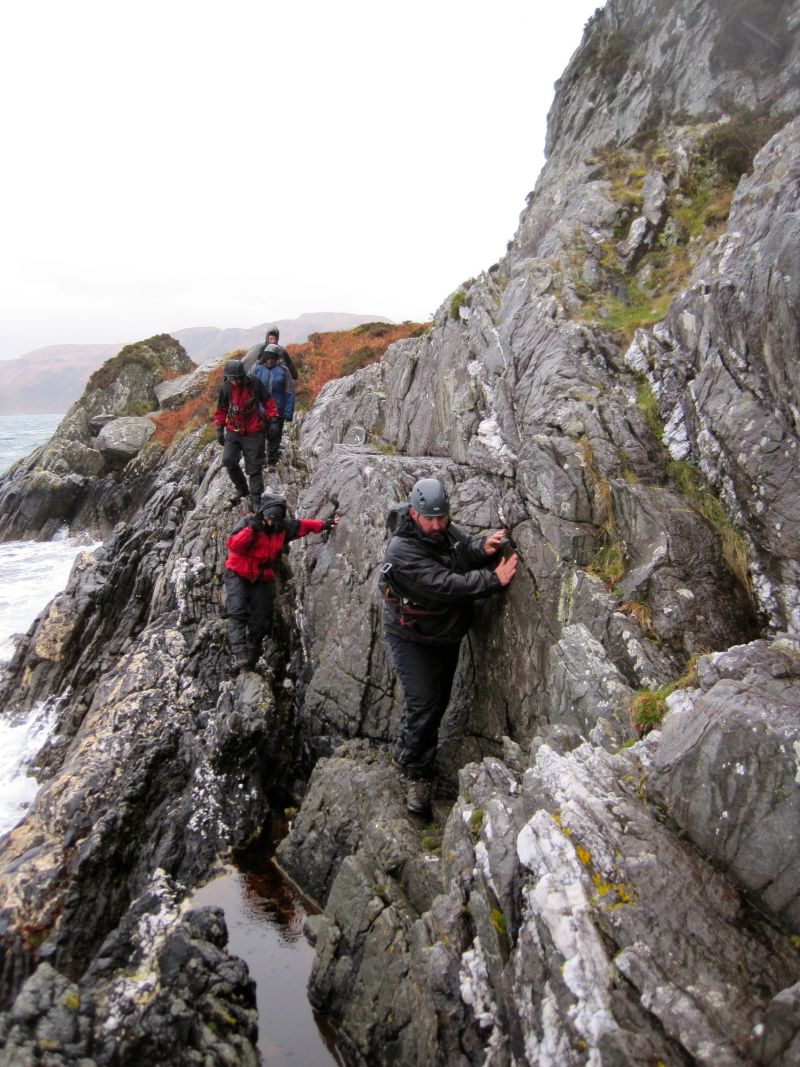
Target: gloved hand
<point x="255" y="522"/>
<point x="329" y="524"/>
<point x="220" y="435"/>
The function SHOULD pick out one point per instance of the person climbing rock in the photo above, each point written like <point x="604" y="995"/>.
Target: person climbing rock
<point x="273" y="336"/>
<point x="432" y="573"/>
<point x="275" y="377"/>
<point x="239" y="419"/>
<point x="254" y="547"/>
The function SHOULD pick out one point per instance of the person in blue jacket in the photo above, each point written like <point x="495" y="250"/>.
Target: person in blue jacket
<point x="273" y="372"/>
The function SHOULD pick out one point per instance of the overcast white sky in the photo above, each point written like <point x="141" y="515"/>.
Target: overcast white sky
<point x="173" y="163"/>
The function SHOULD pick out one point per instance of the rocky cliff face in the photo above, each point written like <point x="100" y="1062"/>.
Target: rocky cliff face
<point x="621" y="391"/>
<point x="76" y="478"/>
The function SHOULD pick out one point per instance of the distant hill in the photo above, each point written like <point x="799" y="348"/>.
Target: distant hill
<point x="48" y="380"/>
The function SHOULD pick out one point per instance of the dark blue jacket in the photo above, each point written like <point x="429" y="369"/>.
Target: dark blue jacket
<point x="275" y="382"/>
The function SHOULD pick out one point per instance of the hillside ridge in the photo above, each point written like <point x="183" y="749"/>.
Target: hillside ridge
<point x="48" y="380"/>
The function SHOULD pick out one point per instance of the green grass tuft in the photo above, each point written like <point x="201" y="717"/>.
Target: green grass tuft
<point x="707" y="504"/>
<point x="457" y="302"/>
<point x="648" y="406"/>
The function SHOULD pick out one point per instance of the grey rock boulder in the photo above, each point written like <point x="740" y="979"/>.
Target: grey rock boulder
<point x="726" y="379"/>
<point x="121" y="439"/>
<point x="727" y="768"/>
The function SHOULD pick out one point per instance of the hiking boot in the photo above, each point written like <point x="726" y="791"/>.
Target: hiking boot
<point x="235" y="500"/>
<point x="418" y="797"/>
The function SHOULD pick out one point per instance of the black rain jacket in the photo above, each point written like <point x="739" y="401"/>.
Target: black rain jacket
<point x="429" y="586"/>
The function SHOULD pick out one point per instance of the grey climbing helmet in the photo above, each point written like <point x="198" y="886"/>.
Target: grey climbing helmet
<point x="234" y="370"/>
<point x="429" y="498"/>
<point x="271" y="352"/>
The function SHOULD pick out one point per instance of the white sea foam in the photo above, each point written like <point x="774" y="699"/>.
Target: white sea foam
<point x="31" y="573"/>
<point x="19" y="742"/>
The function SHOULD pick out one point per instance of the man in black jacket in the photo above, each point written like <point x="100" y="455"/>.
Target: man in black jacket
<point x="431" y="574"/>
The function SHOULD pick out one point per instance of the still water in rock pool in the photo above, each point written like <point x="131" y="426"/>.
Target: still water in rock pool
<point x="265" y="914"/>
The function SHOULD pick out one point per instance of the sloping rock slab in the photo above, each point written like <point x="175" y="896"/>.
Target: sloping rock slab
<point x="728" y="768"/>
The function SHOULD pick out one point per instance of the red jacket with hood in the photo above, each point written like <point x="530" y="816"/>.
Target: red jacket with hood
<point x="253" y="555"/>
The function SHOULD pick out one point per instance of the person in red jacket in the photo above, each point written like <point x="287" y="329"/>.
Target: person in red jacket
<point x="254" y="548"/>
<point x="243" y="405"/>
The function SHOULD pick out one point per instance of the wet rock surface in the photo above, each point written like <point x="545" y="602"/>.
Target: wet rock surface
<point x="583" y="894"/>
<point x="162" y="990"/>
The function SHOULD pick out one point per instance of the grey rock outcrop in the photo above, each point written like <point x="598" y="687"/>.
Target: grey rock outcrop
<point x="78" y="478"/>
<point x="724" y="366"/>
<point x="558" y="923"/>
<point x="728" y="766"/>
<point x="620" y="392"/>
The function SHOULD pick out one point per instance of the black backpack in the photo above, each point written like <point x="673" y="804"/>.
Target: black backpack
<point x="395" y="516"/>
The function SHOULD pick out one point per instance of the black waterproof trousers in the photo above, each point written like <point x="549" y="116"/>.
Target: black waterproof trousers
<point x="426" y="674"/>
<point x="249" y="614"/>
<point x="251" y="446"/>
<point x="274" y="435"/>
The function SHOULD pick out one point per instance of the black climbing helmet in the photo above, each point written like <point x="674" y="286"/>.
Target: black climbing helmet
<point x="272" y="507"/>
<point x="429" y="498"/>
<point x="234" y="370"/>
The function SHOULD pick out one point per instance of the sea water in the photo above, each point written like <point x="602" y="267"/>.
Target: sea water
<point x="20" y="434"/>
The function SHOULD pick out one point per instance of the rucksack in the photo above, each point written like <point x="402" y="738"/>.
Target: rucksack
<point x="394" y="517"/>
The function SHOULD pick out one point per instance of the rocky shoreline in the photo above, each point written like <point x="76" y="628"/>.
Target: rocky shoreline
<point x="612" y="875"/>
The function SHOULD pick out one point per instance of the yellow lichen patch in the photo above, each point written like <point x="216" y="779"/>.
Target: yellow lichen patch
<point x="556" y="817"/>
<point x="623" y="893"/>
<point x="584" y="855"/>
